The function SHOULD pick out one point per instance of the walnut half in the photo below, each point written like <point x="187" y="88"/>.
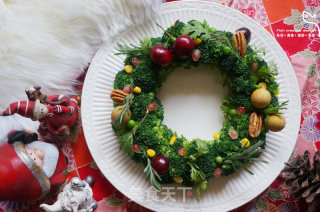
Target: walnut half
<point x="255" y="125"/>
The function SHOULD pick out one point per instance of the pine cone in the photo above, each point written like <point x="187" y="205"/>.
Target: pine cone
<point x="303" y="177"/>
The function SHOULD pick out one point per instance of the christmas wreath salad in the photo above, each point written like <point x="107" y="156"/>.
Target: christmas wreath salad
<point x="251" y="108"/>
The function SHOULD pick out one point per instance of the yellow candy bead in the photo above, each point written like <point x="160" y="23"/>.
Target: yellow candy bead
<point x="151" y="153"/>
<point x="197" y="41"/>
<point x="216" y="135"/>
<point x="263" y="85"/>
<point x="128" y="69"/>
<point x="177" y="179"/>
<point x="173" y="139"/>
<point x="137" y="89"/>
<point x="245" y="143"/>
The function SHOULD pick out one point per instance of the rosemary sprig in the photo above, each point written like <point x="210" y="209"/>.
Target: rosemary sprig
<point x="136" y="51"/>
<point x="275" y="110"/>
<point x="240" y="159"/>
<point x="152" y="175"/>
<point x="126" y="143"/>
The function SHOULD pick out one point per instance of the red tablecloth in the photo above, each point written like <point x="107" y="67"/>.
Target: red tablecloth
<point x="280" y="18"/>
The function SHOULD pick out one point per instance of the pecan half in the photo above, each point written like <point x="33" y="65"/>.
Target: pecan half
<point x="240" y="42"/>
<point x="118" y="96"/>
<point x="255" y="125"/>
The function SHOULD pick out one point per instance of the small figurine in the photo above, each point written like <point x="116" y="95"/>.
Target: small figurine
<point x="29" y="168"/>
<point x="76" y="196"/>
<point x="58" y="115"/>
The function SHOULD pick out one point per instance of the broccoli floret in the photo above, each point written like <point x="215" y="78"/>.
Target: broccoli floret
<point x="146" y="137"/>
<point x="224" y="136"/>
<point x="241" y="68"/>
<point x="274" y="102"/>
<point x="175" y="33"/>
<point x="164" y="133"/>
<point x="273" y="88"/>
<point x="244" y="84"/>
<point x="225" y="148"/>
<point x="240" y="100"/>
<point x="146" y="76"/>
<point x="206" y="162"/>
<point x="121" y="79"/>
<point x="227" y="64"/>
<point x="141" y="102"/>
<point x="178" y="165"/>
<point x="243" y="125"/>
<point x="211" y="51"/>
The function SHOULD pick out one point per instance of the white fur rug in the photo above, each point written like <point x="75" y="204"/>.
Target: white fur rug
<point x="49" y="43"/>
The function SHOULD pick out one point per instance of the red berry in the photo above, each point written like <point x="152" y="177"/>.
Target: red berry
<point x="246" y="32"/>
<point x="136" y="61"/>
<point x="152" y="106"/>
<point x="217" y="172"/>
<point x="196" y="55"/>
<point x="127" y="88"/>
<point x="241" y="110"/>
<point x="183" y="47"/>
<point x="160" y="163"/>
<point x="161" y="55"/>
<point x="181" y="151"/>
<point x="136" y="148"/>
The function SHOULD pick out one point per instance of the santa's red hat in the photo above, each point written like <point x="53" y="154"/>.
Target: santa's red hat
<point x="22" y="179"/>
<point x="29" y="109"/>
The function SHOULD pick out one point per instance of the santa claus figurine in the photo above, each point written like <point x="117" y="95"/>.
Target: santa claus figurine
<point x="29" y="168"/>
<point x="58" y="115"/>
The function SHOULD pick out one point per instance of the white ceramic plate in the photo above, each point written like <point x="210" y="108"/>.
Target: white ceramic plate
<point x="222" y="194"/>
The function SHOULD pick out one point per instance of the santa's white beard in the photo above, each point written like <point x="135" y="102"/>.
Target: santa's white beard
<point x="50" y="43"/>
<point x="51" y="156"/>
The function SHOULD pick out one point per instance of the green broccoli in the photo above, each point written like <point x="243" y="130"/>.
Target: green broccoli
<point x="274" y="102"/>
<point x="146" y="136"/>
<point x="243" y="125"/>
<point x="146" y="76"/>
<point x="164" y="133"/>
<point x="178" y="165"/>
<point x="141" y="102"/>
<point x="240" y="100"/>
<point x="227" y="64"/>
<point x="211" y="51"/>
<point x="207" y="161"/>
<point x="121" y="79"/>
<point x="273" y="88"/>
<point x="244" y="84"/>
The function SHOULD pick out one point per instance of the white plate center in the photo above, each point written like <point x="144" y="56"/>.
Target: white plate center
<point x="192" y="100"/>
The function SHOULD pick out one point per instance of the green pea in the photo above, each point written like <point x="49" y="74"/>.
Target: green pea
<point x="131" y="123"/>
<point x="226" y="49"/>
<point x="213" y="30"/>
<point x="219" y="160"/>
<point x="226" y="166"/>
<point x="151" y="94"/>
<point x="232" y="112"/>
<point x="155" y="129"/>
